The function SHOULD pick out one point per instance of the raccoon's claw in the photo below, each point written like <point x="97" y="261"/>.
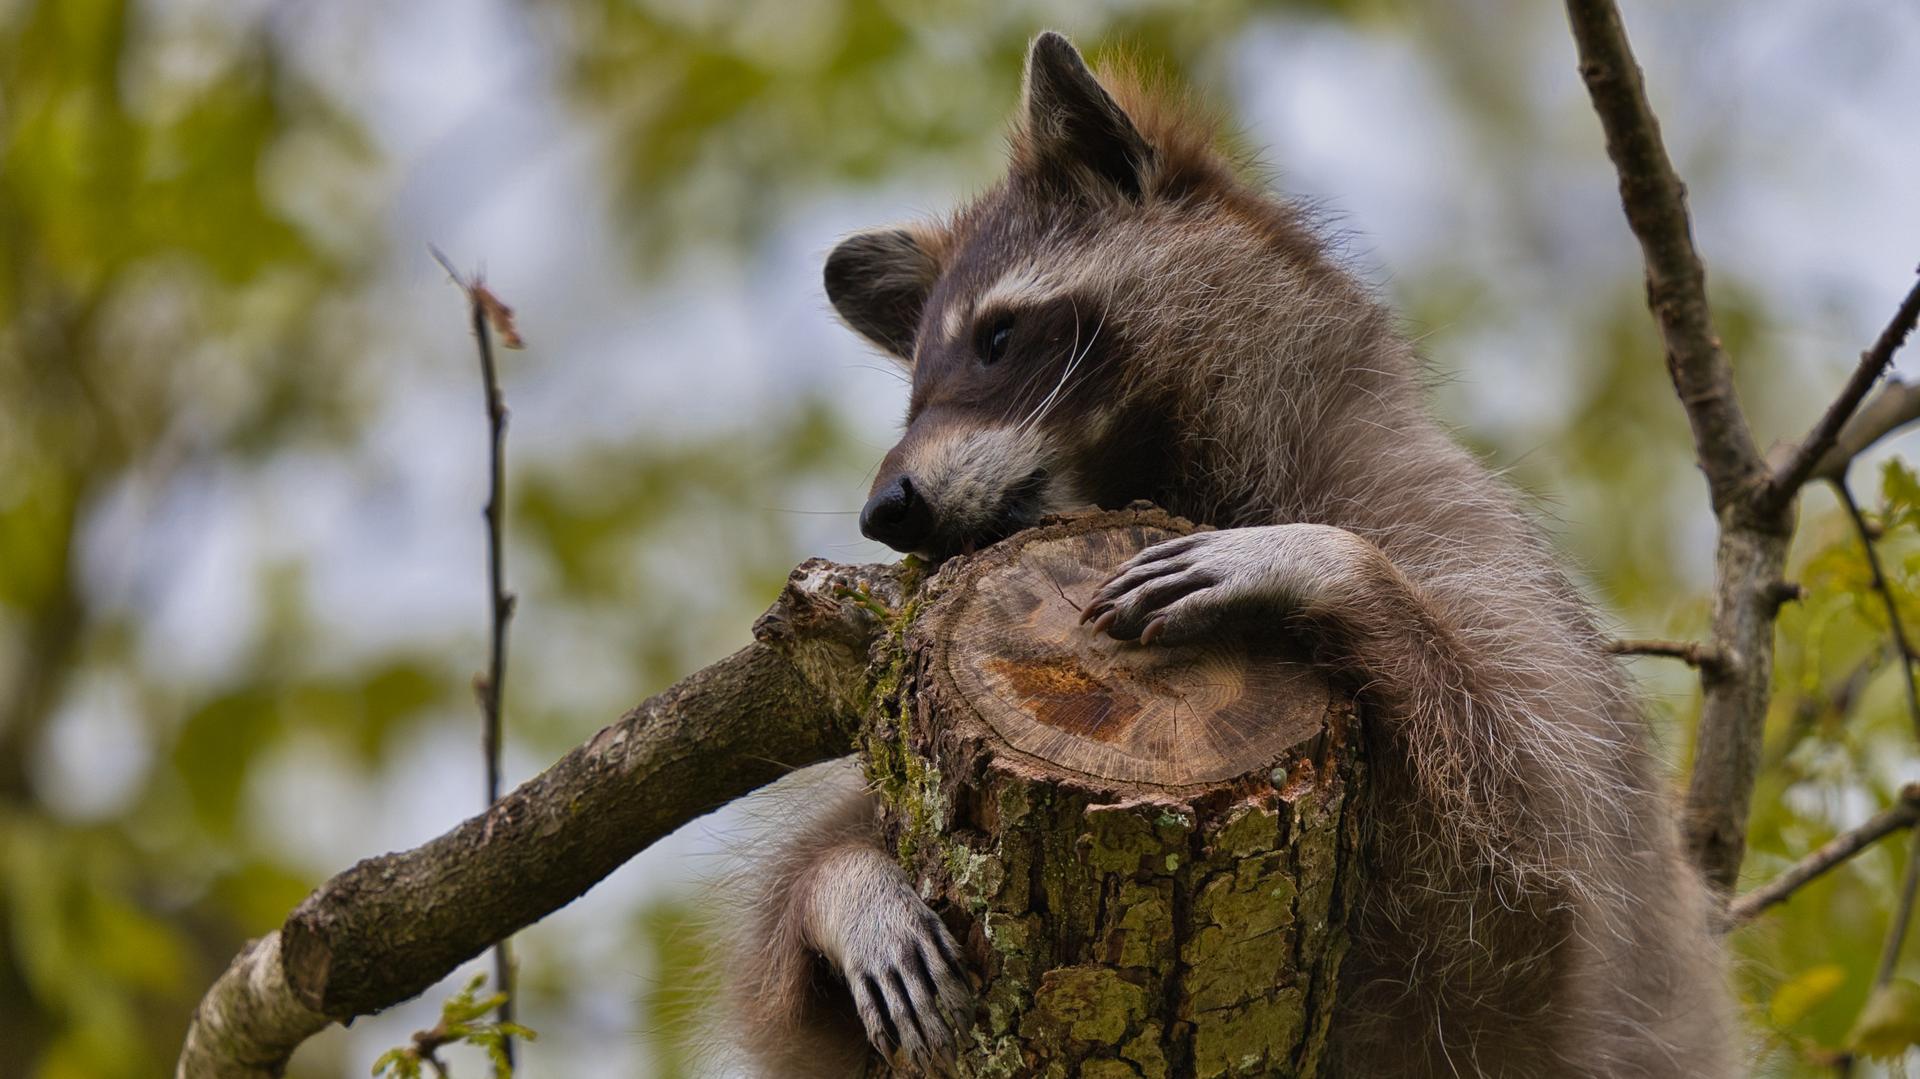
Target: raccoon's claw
<point x="911" y="992"/>
<point x="1165" y="588"/>
<point x="1186" y="586"/>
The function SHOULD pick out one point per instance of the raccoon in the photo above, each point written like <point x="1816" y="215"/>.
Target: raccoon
<point x="1125" y="317"/>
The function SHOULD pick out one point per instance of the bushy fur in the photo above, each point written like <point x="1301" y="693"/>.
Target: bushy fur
<point x="1186" y="338"/>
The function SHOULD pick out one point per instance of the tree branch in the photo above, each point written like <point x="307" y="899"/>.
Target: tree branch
<point x="1753" y="534"/>
<point x="250" y="1020"/>
<point x="1693" y="653"/>
<point x="1811" y="457"/>
<point x="1894" y="405"/>
<point x="1903" y="814"/>
<point x="1656" y="206"/>
<point x="388" y="928"/>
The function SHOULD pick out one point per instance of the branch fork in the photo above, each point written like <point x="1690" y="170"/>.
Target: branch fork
<point x="1753" y="503"/>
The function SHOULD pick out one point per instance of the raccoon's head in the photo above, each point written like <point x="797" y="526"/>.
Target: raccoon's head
<point x="1060" y="328"/>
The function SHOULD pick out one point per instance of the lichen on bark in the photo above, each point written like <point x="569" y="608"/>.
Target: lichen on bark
<point x="1119" y="929"/>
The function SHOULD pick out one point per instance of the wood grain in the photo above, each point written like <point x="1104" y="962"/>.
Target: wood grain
<point x="1172" y="717"/>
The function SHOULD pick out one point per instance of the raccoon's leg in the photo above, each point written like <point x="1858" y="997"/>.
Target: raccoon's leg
<point x="1521" y="749"/>
<point x="839" y="950"/>
<point x="1528" y="912"/>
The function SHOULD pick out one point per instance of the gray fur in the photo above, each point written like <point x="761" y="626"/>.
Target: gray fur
<point x="1527" y="910"/>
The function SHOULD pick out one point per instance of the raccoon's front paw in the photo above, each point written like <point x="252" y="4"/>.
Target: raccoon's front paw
<point x="912" y="994"/>
<point x="1183" y="587"/>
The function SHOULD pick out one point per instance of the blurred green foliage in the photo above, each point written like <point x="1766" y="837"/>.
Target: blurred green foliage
<point x="164" y="315"/>
<point x="113" y="206"/>
<point x="719" y="105"/>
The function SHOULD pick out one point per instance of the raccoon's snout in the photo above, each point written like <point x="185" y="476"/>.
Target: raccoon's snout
<point x="898" y="516"/>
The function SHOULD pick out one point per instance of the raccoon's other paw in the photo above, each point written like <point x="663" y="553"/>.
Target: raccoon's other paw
<point x="1186" y="586"/>
<point x="912" y="994"/>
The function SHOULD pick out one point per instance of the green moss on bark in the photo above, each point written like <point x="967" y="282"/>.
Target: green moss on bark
<point x="1148" y="940"/>
<point x="1119" y="931"/>
<point x="1145" y="940"/>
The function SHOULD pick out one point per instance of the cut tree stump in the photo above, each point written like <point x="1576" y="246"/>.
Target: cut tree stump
<point x="1148" y="852"/>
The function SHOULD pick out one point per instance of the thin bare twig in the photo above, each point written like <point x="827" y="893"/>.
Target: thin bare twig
<point x="1903" y="814"/>
<point x="1809" y="458"/>
<point x="487" y="312"/>
<point x="1902" y="649"/>
<point x="1693" y="653"/>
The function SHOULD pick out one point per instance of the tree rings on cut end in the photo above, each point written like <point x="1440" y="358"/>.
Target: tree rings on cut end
<point x="1166" y="716"/>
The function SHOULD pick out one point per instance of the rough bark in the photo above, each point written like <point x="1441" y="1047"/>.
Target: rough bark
<point x="390" y="927"/>
<point x="249" y="1022"/>
<point x="1755" y="523"/>
<point x="1148" y="851"/>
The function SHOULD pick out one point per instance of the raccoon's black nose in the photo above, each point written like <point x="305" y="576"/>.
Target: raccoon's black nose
<point x="897" y="516"/>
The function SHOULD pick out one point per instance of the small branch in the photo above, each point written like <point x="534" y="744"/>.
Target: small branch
<point x="493" y="691"/>
<point x="1896" y="938"/>
<point x="1902" y="649"/>
<point x="1778" y="594"/>
<point x="1902" y="919"/>
<point x="388" y="928"/>
<point x="1903" y="814"/>
<point x="1693" y="653"/>
<point x="427" y="1044"/>
<point x="1893" y="406"/>
<point x="491" y="688"/>
<point x="1810" y="457"/>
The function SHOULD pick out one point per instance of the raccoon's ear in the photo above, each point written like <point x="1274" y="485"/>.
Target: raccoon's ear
<point x="1072" y="123"/>
<point x="879" y="281"/>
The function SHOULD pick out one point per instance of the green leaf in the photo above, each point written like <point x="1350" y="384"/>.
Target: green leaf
<point x="1804" y="992"/>
<point x="400" y="1063"/>
<point x="1890" y="1022"/>
<point x="1900" y="489"/>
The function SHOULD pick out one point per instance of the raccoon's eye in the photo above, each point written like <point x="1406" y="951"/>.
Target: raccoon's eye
<point x="995" y="336"/>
